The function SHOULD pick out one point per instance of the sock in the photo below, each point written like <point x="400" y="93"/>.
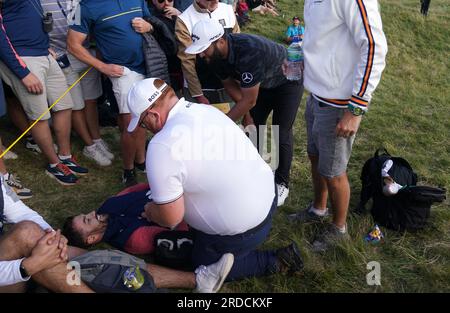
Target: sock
<point x="343" y="229"/>
<point x="97" y="140"/>
<point x="91" y="147"/>
<point x="6" y="176"/>
<point x="64" y="157"/>
<point x="319" y="212"/>
<point x="53" y="165"/>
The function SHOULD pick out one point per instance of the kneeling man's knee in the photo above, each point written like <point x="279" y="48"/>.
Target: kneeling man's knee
<point x="27" y="233"/>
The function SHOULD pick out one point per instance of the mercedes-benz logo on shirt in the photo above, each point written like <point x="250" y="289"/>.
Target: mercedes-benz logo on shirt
<point x="247" y="77"/>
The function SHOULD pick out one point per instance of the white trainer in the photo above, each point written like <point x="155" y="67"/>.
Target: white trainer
<point x="210" y="278"/>
<point x="8" y="155"/>
<point x="105" y="149"/>
<point x="283" y="193"/>
<point x="96" y="154"/>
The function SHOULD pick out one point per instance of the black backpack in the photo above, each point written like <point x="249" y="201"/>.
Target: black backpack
<point x="409" y="209"/>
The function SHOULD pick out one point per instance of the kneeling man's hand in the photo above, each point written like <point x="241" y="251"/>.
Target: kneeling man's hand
<point x="348" y="125"/>
<point x="45" y="255"/>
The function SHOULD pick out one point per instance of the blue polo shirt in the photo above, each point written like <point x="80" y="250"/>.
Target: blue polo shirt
<point x="110" y="23"/>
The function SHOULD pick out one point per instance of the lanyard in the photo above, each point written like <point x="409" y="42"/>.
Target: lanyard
<point x="61" y="8"/>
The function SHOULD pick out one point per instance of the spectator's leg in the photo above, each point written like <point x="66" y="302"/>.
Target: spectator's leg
<point x="168" y="278"/>
<point x="56" y="85"/>
<point x="132" y="145"/>
<point x="339" y="190"/>
<point x="61" y="127"/>
<point x="17" y="114"/>
<point x="319" y="183"/>
<point x="16" y="244"/>
<point x="288" y="99"/>
<point x="92" y="118"/>
<point x="127" y="142"/>
<point x="3" y="170"/>
<point x="43" y="137"/>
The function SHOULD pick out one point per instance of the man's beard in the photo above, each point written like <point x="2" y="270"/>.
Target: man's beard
<point x="216" y="58"/>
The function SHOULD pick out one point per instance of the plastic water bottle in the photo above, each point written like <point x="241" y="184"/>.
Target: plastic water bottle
<point x="295" y="60"/>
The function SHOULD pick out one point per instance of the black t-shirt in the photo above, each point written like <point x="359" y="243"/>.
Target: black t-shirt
<point x="253" y="59"/>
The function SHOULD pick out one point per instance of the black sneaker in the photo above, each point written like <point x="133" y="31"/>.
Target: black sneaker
<point x="140" y="167"/>
<point x="62" y="174"/>
<point x="74" y="167"/>
<point x="129" y="178"/>
<point x="289" y="259"/>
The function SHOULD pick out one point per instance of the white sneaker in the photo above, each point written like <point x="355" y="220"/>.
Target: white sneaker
<point x="8" y="155"/>
<point x="283" y="193"/>
<point x="105" y="149"/>
<point x="96" y="154"/>
<point x="210" y="278"/>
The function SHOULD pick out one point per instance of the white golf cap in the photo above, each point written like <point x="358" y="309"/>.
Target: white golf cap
<point x="142" y="96"/>
<point x="204" y="33"/>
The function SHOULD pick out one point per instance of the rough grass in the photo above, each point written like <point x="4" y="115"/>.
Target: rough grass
<point x="409" y="116"/>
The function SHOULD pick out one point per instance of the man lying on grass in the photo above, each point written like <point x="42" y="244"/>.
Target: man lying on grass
<point x="32" y="249"/>
<point x="118" y="222"/>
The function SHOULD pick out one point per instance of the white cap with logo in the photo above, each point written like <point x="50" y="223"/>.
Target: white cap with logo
<point x="142" y="96"/>
<point x="204" y="33"/>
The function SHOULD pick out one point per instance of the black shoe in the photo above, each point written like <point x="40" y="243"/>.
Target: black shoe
<point x="289" y="259"/>
<point x="140" y="167"/>
<point x="129" y="178"/>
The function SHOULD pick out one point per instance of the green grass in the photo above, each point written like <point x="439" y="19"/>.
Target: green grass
<point x="409" y="116"/>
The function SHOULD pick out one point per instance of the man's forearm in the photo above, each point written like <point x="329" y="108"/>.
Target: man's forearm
<point x="240" y="109"/>
<point x="82" y="54"/>
<point x="232" y="89"/>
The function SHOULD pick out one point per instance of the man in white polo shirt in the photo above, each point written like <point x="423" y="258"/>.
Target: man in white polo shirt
<point x="204" y="169"/>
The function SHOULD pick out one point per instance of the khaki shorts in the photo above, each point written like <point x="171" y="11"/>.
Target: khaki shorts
<point x="122" y="85"/>
<point x="333" y="152"/>
<point x="52" y="78"/>
<point x="89" y="87"/>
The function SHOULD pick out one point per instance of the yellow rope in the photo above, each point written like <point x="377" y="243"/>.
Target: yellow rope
<point x="42" y="115"/>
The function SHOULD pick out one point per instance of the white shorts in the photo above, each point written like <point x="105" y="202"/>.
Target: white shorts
<point x="90" y="86"/>
<point x="122" y="85"/>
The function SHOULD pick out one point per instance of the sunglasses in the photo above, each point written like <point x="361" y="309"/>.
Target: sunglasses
<point x="162" y="1"/>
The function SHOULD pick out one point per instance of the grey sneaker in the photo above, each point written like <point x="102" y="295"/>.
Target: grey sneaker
<point x="307" y="215"/>
<point x="96" y="154"/>
<point x="210" y="278"/>
<point x="330" y="237"/>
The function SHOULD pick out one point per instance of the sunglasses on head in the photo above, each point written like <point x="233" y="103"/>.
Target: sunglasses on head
<point x="162" y="1"/>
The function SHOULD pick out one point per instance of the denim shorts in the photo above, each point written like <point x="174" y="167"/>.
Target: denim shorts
<point x="333" y="152"/>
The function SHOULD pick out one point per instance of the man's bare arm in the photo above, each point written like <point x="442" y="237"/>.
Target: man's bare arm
<point x="166" y="215"/>
<point x="75" y="47"/>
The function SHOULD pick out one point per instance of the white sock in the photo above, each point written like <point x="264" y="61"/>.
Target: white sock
<point x="343" y="229"/>
<point x="97" y="140"/>
<point x="319" y="212"/>
<point x="64" y="157"/>
<point x="91" y="147"/>
<point x="53" y="165"/>
<point x="6" y="175"/>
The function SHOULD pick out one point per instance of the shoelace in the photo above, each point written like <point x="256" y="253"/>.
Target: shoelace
<point x="201" y="270"/>
<point x="63" y="168"/>
<point x="14" y="181"/>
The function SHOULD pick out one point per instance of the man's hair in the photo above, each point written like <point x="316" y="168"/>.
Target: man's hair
<point x="73" y="236"/>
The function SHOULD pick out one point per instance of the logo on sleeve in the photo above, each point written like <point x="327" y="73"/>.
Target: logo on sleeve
<point x="247" y="77"/>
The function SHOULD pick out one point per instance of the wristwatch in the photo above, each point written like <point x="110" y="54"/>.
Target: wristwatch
<point x="23" y="271"/>
<point x="355" y="110"/>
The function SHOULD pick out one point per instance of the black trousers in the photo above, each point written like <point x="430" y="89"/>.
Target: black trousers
<point x="284" y="101"/>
